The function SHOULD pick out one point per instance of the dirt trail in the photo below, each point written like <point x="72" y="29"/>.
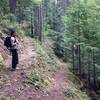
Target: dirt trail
<point x="15" y="86"/>
<point x="56" y="89"/>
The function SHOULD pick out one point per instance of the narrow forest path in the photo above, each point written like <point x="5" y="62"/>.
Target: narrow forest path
<point x="58" y="86"/>
<point x="15" y="86"/>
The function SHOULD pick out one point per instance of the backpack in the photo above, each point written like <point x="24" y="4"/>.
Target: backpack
<point x="7" y="42"/>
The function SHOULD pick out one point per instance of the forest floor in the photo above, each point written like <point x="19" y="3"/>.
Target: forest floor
<point x="14" y="86"/>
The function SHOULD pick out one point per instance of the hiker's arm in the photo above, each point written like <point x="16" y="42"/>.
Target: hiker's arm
<point x="13" y="41"/>
<point x="17" y="41"/>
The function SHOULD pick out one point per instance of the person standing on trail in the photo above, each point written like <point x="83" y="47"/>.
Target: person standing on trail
<point x="13" y="46"/>
<point x="14" y="50"/>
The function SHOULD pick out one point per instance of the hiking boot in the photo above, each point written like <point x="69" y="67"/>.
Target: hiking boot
<point x="13" y="69"/>
<point x="17" y="68"/>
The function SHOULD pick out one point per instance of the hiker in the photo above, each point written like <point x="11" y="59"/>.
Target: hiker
<point x="14" y="50"/>
<point x="12" y="45"/>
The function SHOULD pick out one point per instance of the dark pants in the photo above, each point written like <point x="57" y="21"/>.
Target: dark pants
<point x="14" y="58"/>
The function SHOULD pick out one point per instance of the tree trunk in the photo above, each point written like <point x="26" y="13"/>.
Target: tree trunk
<point x="12" y="4"/>
<point x="89" y="65"/>
<point x="94" y="69"/>
<point x="73" y="57"/>
<point x="40" y="23"/>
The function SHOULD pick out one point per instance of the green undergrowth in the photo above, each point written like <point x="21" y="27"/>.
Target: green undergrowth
<point x="39" y="79"/>
<point x="1" y="63"/>
<point x="75" y="94"/>
<point x="1" y="70"/>
<point x="43" y="66"/>
<point x="74" y="91"/>
<point x="1" y="60"/>
<point x="53" y="60"/>
<point x="9" y="21"/>
<point x="46" y="56"/>
<point x="3" y="97"/>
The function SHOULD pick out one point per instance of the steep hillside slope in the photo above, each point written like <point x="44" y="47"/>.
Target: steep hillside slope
<point x="40" y="76"/>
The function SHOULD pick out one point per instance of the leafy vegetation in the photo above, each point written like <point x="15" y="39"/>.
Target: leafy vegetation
<point x="69" y="29"/>
<point x="1" y="60"/>
<point x="40" y="76"/>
